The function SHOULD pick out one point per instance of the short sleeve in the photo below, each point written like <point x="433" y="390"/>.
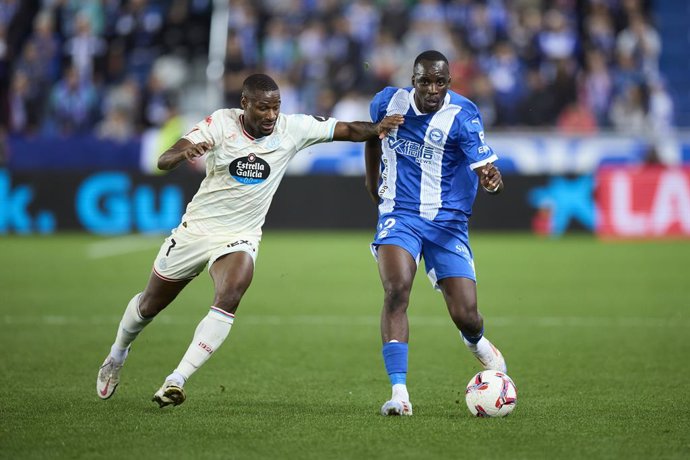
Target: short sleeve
<point x="375" y="111"/>
<point x="308" y="130"/>
<point x="208" y="130"/>
<point x="473" y="145"/>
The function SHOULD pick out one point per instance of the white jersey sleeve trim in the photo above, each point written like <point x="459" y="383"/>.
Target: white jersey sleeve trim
<point x="330" y="137"/>
<point x="481" y="163"/>
<point x="195" y="138"/>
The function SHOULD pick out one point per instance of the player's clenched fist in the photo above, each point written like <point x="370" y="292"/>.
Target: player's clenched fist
<point x="491" y="178"/>
<point x="196" y="150"/>
<point x="389" y="123"/>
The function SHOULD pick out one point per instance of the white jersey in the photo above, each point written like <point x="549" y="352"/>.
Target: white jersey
<point x="243" y="173"/>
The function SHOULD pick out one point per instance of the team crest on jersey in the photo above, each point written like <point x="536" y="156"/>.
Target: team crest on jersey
<point x="249" y="170"/>
<point x="436" y="136"/>
<point x="272" y="142"/>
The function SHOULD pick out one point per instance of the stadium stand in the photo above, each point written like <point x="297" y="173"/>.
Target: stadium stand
<point x="119" y="67"/>
<point x="673" y="20"/>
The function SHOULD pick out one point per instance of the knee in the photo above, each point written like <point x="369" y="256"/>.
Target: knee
<point x="396" y="296"/>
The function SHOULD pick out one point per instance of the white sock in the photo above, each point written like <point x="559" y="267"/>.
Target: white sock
<point x="209" y="335"/>
<point x="131" y="325"/>
<point x="400" y="392"/>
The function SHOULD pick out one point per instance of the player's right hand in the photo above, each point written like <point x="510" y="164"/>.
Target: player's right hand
<point x="196" y="150"/>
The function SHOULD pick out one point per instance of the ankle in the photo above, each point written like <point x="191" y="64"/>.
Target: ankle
<point x="118" y="354"/>
<point x="399" y="392"/>
<point x="177" y="378"/>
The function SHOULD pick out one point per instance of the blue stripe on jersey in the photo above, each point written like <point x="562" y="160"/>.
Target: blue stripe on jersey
<point x="399" y="104"/>
<point x="425" y="166"/>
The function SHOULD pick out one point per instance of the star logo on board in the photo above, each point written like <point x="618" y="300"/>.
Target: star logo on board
<point x="566" y="201"/>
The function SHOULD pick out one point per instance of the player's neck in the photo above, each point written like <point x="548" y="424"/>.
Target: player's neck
<point x="248" y="131"/>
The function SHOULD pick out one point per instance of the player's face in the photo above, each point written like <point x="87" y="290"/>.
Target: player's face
<point x="261" y="110"/>
<point x="430" y="80"/>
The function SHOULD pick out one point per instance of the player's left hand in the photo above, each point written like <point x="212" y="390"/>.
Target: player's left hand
<point x="491" y="178"/>
<point x="388" y="124"/>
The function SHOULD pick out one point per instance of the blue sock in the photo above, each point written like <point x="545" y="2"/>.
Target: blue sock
<point x="395" y="359"/>
<point x="474" y="339"/>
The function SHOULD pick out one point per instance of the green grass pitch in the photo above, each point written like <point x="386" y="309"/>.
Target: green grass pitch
<point x="596" y="336"/>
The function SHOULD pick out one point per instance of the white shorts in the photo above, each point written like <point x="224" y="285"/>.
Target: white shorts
<point x="183" y="255"/>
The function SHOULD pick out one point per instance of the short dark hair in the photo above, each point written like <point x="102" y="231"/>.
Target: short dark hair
<point x="258" y="82"/>
<point x="430" y="55"/>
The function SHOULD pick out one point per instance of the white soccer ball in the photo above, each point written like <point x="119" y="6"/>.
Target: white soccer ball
<point x="491" y="394"/>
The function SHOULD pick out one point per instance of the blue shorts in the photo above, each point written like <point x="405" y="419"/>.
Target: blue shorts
<point x="444" y="247"/>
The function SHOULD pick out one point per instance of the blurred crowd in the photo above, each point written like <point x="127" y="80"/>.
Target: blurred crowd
<point x="118" y="67"/>
<point x="109" y="67"/>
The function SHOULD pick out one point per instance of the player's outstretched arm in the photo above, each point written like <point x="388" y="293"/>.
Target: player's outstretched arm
<point x="372" y="159"/>
<point x="358" y="131"/>
<point x="180" y="151"/>
<point x="490" y="178"/>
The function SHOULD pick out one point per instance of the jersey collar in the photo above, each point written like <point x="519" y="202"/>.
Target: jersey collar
<point x="244" y="131"/>
<point x="446" y="101"/>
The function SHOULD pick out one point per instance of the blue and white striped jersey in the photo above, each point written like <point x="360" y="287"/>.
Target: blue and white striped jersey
<point x="427" y="162"/>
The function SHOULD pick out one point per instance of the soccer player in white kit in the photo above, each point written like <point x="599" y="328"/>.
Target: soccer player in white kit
<point x="247" y="152"/>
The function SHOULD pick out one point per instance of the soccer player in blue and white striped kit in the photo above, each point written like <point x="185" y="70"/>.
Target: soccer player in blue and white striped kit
<point x="424" y="177"/>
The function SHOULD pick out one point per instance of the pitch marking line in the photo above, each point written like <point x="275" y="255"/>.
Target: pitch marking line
<point x="362" y="320"/>
<point x="120" y="246"/>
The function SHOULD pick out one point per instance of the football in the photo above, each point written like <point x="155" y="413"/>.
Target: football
<point x="491" y="394"/>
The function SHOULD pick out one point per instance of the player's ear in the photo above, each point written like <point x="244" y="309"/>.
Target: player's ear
<point x="244" y="102"/>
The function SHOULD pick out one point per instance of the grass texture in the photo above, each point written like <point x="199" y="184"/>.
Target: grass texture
<point x="596" y="336"/>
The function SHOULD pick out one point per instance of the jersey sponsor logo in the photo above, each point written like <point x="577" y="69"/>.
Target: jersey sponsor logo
<point x="249" y="170"/>
<point x="208" y="120"/>
<point x="319" y="118"/>
<point x="420" y="152"/>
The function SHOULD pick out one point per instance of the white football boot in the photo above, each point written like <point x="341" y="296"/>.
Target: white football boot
<point x="396" y="407"/>
<point x="487" y="354"/>
<point x="169" y="393"/>
<point x="109" y="376"/>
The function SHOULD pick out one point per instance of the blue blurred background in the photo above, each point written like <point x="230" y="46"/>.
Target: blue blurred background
<point x="565" y="87"/>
